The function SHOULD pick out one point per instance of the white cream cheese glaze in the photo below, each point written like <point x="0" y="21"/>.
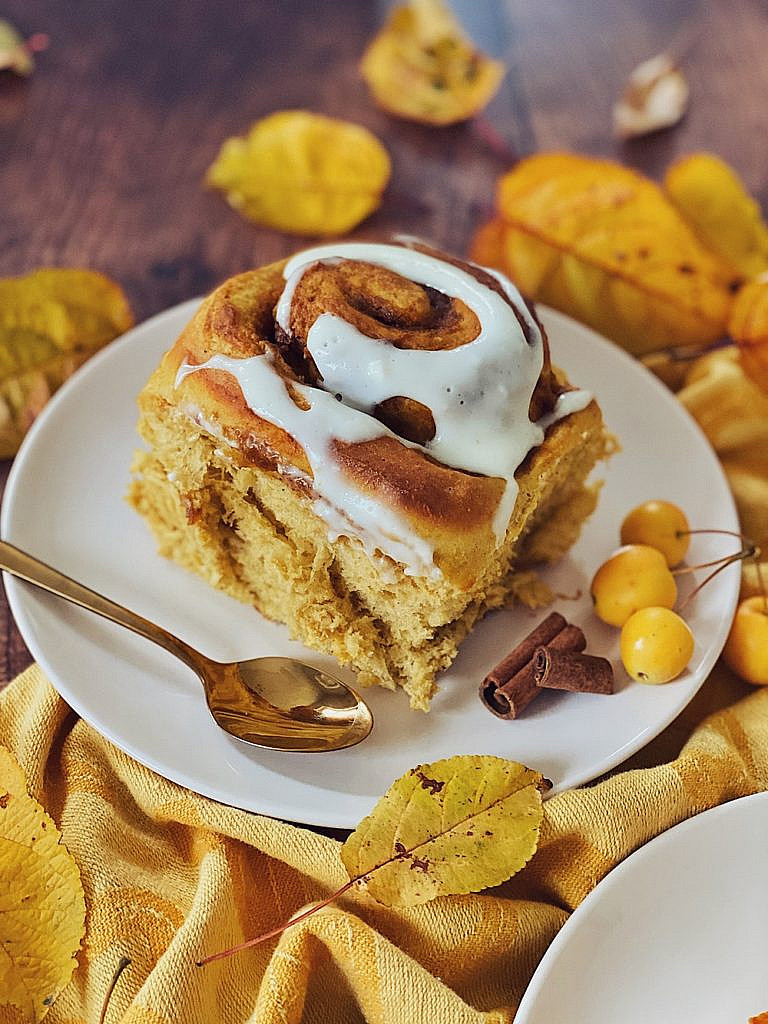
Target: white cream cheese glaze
<point x="346" y="511"/>
<point x="478" y="393"/>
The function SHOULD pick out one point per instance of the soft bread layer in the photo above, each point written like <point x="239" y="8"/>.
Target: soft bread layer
<point x="251" y="532"/>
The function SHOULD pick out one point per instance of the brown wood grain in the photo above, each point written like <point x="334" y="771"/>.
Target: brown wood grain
<point x="103" y="149"/>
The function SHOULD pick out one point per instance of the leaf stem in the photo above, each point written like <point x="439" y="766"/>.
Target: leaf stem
<point x="495" y="142"/>
<point x="280" y="929"/>
<point x="121" y="966"/>
<point x="541" y="784"/>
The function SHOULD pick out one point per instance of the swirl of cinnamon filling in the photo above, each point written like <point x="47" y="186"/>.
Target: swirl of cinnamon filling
<point x="382" y="304"/>
<point x="385" y="354"/>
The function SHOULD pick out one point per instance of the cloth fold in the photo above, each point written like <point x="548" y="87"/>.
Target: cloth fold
<point x="170" y="876"/>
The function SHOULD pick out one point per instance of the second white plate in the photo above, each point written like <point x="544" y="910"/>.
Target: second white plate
<point x="65" y="503"/>
<point x="675" y="934"/>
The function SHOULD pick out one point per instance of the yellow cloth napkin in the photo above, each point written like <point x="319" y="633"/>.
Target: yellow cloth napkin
<point x="170" y="876"/>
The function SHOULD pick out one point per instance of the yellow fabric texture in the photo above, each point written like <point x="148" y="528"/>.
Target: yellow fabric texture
<point x="170" y="876"/>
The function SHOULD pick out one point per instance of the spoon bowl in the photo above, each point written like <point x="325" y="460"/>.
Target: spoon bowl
<point x="285" y="705"/>
<point x="277" y="703"/>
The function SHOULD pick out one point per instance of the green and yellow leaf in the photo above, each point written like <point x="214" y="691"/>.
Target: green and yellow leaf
<point x="42" y="907"/>
<point x="51" y="321"/>
<point x="14" y="54"/>
<point x="451" y="827"/>
<point x="454" y="826"/>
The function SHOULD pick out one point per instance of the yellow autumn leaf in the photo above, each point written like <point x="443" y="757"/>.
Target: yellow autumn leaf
<point x="42" y="907"/>
<point x="714" y="201"/>
<point x="303" y="173"/>
<point x="14" y="53"/>
<point x="603" y="244"/>
<point x="51" y="321"/>
<point x="421" y="66"/>
<point x="454" y="826"/>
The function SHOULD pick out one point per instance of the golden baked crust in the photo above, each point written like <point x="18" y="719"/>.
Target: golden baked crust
<point x="229" y="494"/>
<point x="453" y="509"/>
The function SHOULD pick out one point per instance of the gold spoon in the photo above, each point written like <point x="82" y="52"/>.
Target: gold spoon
<point x="271" y="702"/>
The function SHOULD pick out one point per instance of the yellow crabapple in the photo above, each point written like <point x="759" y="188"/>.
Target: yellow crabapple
<point x="746" y="649"/>
<point x="655" y="645"/>
<point x="634" y="577"/>
<point x="660" y="524"/>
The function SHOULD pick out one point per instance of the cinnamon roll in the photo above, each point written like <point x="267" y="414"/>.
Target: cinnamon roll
<point x="368" y="443"/>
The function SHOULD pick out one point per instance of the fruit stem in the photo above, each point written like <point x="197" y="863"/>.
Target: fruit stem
<point x="687" y="353"/>
<point x="721" y="564"/>
<point x="279" y="930"/>
<point x="750" y="550"/>
<point x="761" y="580"/>
<point x="746" y="552"/>
<point x="727" y="533"/>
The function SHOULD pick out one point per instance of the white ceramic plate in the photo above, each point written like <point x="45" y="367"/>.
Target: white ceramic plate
<point x="676" y="934"/>
<point x="65" y="503"/>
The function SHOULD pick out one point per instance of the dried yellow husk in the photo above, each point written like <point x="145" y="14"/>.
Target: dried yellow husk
<point x="748" y="327"/>
<point x="733" y="412"/>
<point x="422" y="67"/>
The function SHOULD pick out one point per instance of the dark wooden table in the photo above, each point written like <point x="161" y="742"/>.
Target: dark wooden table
<point x="103" y="149"/>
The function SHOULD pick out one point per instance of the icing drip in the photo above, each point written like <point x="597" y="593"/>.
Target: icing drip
<point x="338" y="502"/>
<point x="478" y="393"/>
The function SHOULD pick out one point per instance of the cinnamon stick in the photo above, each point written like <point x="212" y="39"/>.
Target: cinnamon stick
<point x="517" y="659"/>
<point x="511" y="686"/>
<point x="524" y="651"/>
<point x="572" y="670"/>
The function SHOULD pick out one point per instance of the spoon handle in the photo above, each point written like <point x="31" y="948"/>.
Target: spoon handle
<point x="26" y="567"/>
